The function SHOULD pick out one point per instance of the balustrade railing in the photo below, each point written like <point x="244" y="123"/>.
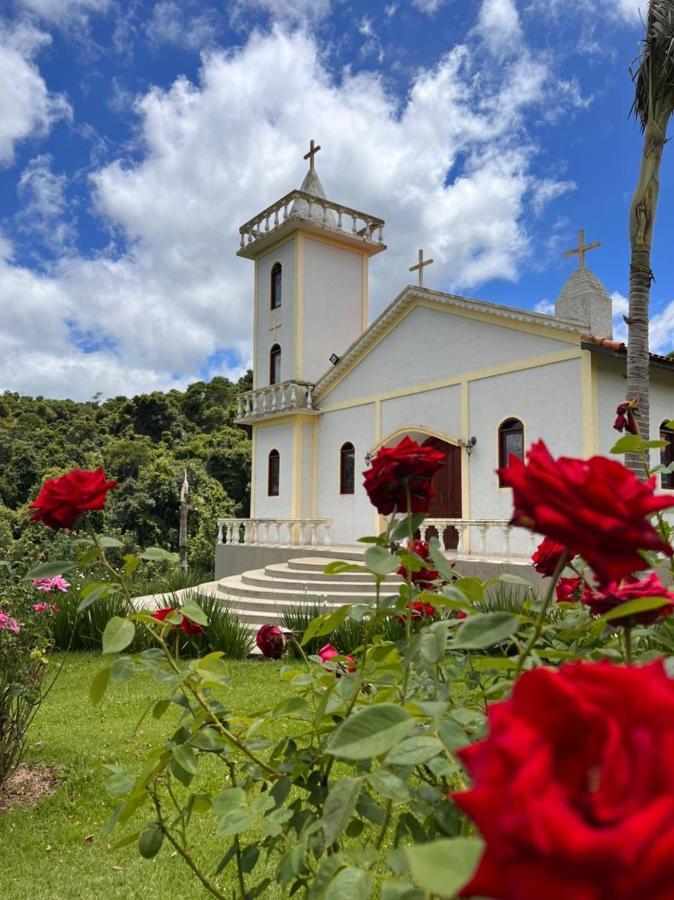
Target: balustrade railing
<point x="275" y="398"/>
<point x="486" y="539"/>
<point x="298" y="204"/>
<point x="278" y="532"/>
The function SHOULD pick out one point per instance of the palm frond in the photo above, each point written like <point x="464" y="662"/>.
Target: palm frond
<point x="654" y="77"/>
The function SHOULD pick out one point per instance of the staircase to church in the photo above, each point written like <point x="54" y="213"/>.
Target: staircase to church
<point x="261" y="596"/>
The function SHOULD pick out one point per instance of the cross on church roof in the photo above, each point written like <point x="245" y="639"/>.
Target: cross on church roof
<point x="582" y="248"/>
<point x="420" y="267"/>
<point x="313" y="150"/>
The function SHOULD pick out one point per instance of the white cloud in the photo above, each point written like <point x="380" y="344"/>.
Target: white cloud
<point x="26" y="106"/>
<point x="173" y="23"/>
<point x="627" y="11"/>
<point x="547" y="307"/>
<point x="452" y="170"/>
<point x="428" y="6"/>
<point x="43" y="213"/>
<point x="64" y="12"/>
<point x="547" y="190"/>
<point x="499" y="25"/>
<point x="661" y="329"/>
<point x="293" y="11"/>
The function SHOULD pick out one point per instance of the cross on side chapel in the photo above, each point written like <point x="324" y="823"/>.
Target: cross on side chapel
<point x="582" y="248"/>
<point x="313" y="150"/>
<point x="420" y="267"/>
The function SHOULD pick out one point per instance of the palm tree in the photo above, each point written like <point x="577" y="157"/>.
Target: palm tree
<point x="653" y="106"/>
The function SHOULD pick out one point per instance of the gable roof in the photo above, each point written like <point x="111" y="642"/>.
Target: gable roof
<point x="409" y="298"/>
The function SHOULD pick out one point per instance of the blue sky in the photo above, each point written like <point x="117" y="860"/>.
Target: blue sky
<point x="137" y="135"/>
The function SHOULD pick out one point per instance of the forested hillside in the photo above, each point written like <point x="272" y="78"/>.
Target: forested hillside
<point x="145" y="443"/>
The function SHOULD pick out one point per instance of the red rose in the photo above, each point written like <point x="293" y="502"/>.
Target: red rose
<point x="596" y="508"/>
<point x="420" y="610"/>
<point x="616" y="594"/>
<point x="270" y="641"/>
<point x="423" y="577"/>
<point x="328" y="652"/>
<point x="569" y="590"/>
<point x="62" y="501"/>
<point x="547" y="556"/>
<point x="395" y="470"/>
<point x="190" y="628"/>
<point x="625" y="420"/>
<point x="573" y="788"/>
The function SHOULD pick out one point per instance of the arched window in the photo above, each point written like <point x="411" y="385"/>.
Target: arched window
<point x="275" y="364"/>
<point x="347" y="469"/>
<point x="510" y="442"/>
<point x="273" y="473"/>
<point x="667" y="455"/>
<point x="276" y="281"/>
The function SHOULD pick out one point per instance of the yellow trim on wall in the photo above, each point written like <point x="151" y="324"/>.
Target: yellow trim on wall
<point x="253" y="471"/>
<point x="465" y="458"/>
<point x="314" y="467"/>
<point x="256" y="305"/>
<point x="296" y="501"/>
<point x="328" y="239"/>
<point x="364" y="288"/>
<point x="533" y="362"/>
<point x="589" y="405"/>
<point x="298" y="318"/>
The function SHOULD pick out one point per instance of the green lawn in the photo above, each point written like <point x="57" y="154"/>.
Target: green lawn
<point x="55" y="850"/>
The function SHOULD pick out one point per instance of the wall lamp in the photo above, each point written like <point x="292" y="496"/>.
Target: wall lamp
<point x="468" y="445"/>
<point x="334" y="359"/>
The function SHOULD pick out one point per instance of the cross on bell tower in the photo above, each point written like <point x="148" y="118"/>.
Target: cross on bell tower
<point x="313" y="150"/>
<point x="582" y="248"/>
<point x="420" y="267"/>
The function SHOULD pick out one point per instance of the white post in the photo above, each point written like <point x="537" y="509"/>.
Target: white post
<point x="506" y="541"/>
<point x="220" y="524"/>
<point x="484" y="527"/>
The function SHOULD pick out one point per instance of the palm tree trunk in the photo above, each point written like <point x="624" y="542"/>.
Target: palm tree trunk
<point x="642" y="220"/>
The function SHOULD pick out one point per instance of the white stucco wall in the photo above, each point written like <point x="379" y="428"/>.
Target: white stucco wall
<point x="546" y="400"/>
<point x="430" y="344"/>
<point x="352" y="514"/>
<point x="284" y="315"/>
<point x="278" y="437"/>
<point x="332" y="304"/>
<point x="439" y="410"/>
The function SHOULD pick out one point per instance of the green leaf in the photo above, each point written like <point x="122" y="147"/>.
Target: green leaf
<point x="443" y="867"/>
<point x="339" y="807"/>
<point x="230" y="798"/>
<point x="194" y="612"/>
<point x="93" y="592"/>
<point x="122" y="669"/>
<point x="234" y="822"/>
<point x="150" y="841"/>
<point x="208" y="739"/>
<point x="109" y="541"/>
<point x="633" y="443"/>
<point x="632" y="607"/>
<point x="472" y="588"/>
<point x="49" y="569"/>
<point x="157" y="554"/>
<point x="442" y="564"/>
<point x="370" y="732"/>
<point x="402" y="528"/>
<point x="508" y="578"/>
<point x="480" y="631"/>
<point x="118" y="635"/>
<point x="98" y="685"/>
<point x="452" y="735"/>
<point x="186" y="758"/>
<point x="380" y="561"/>
<point x="401" y="890"/>
<point x="414" y="751"/>
<point x="131" y="563"/>
<point x="389" y="785"/>
<point x="119" y="783"/>
<point x="324" y="624"/>
<point x="350" y="884"/>
<point x="338" y="566"/>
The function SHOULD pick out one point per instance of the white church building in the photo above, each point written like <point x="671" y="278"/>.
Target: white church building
<point x="477" y="379"/>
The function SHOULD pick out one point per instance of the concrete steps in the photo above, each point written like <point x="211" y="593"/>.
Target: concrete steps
<point x="261" y="596"/>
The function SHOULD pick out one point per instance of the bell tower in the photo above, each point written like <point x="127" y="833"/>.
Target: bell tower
<point x="311" y="260"/>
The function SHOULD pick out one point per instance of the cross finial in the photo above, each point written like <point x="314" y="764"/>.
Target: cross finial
<point x="582" y="248"/>
<point x="420" y="267"/>
<point x="313" y="150"/>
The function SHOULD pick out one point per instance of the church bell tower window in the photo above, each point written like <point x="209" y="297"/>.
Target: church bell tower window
<point x="275" y="364"/>
<point x="510" y="443"/>
<point x="273" y="473"/>
<point x="347" y="469"/>
<point x="276" y="285"/>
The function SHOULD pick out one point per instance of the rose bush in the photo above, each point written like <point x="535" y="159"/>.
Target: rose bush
<point x="355" y="787"/>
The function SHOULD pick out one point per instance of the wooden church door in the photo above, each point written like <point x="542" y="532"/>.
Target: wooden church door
<point x="447" y="483"/>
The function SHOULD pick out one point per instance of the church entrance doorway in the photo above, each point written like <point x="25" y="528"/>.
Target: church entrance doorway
<point x="447" y="483"/>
